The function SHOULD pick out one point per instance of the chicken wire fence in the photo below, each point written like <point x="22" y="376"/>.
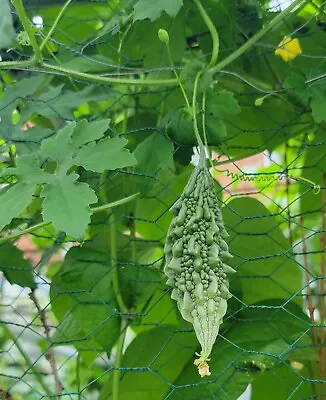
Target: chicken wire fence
<point x="62" y="340"/>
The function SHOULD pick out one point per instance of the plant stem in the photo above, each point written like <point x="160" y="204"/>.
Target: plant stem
<point x="194" y="113"/>
<point x="122" y="308"/>
<point x="54" y="25"/>
<point x="23" y="232"/>
<point x="310" y="306"/>
<point x="246" y="46"/>
<point x="176" y="75"/>
<point x="16" y="64"/>
<point x="44" y="67"/>
<point x="28" y="361"/>
<point x="114" y="203"/>
<point x="114" y="258"/>
<point x="49" y="355"/>
<point x="287" y="190"/>
<point x="12" y="155"/>
<point x="103" y="79"/>
<point x="118" y="360"/>
<point x="50" y="251"/>
<point x="213" y="31"/>
<point x="322" y="288"/>
<point x="78" y="376"/>
<point x="42" y="224"/>
<point x="18" y="4"/>
<point x="117" y="294"/>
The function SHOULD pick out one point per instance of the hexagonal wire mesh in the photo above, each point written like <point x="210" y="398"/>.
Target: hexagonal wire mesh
<point x="62" y="340"/>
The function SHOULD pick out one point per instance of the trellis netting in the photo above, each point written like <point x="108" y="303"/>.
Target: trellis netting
<point x="101" y="119"/>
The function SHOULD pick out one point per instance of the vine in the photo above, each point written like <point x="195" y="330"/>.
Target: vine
<point x="36" y="63"/>
<point x="264" y="177"/>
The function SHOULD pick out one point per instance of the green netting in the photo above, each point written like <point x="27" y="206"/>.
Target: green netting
<point x="91" y="317"/>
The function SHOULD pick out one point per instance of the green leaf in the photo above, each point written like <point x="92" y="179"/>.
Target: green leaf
<point x="141" y="42"/>
<point x="160" y="354"/>
<point x="7" y="31"/>
<point x="14" y="266"/>
<point x="66" y="204"/>
<point x="27" y="169"/>
<point x="14" y="199"/>
<point x="17" y="91"/>
<point x="216" y="130"/>
<point x="318" y="105"/>
<point x="61" y="103"/>
<point x="190" y="71"/>
<point x="138" y="283"/>
<point x="221" y="104"/>
<point x="66" y="201"/>
<point x="58" y="147"/>
<point x="153" y="153"/>
<point x="288" y="381"/>
<point x="108" y="153"/>
<point x="85" y="132"/>
<point x="69" y="332"/>
<point x="262" y="255"/>
<point x="295" y="84"/>
<point x="179" y="126"/>
<point x="153" y="219"/>
<point x="83" y="301"/>
<point x="148" y="9"/>
<point x="258" y="338"/>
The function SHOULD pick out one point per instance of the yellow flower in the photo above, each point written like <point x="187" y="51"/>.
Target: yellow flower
<point x="288" y="49"/>
<point x="203" y="368"/>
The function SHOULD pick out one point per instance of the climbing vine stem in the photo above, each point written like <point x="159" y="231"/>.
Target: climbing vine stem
<point x="116" y="291"/>
<point x="42" y="224"/>
<point x="55" y="23"/>
<point x="18" y="4"/>
<point x="37" y="64"/>
<point x="194" y="112"/>
<point x="213" y="32"/>
<point x="250" y="43"/>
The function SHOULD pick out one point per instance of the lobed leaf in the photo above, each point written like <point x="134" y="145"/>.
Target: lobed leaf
<point x="14" y="266"/>
<point x="149" y="9"/>
<point x="66" y="204"/>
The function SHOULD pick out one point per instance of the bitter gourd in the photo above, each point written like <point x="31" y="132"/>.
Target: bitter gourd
<point x="196" y="260"/>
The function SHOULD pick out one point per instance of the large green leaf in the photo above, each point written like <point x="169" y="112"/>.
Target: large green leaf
<point x="15" y="198"/>
<point x="66" y="204"/>
<point x="142" y="45"/>
<point x="262" y="255"/>
<point x="155" y="152"/>
<point x="152" y="211"/>
<point x="15" y="267"/>
<point x="61" y="103"/>
<point x="108" y="153"/>
<point x="148" y="9"/>
<point x="7" y="31"/>
<point x="83" y="301"/>
<point x="86" y="17"/>
<point x="16" y="92"/>
<point x="285" y="382"/>
<point x="258" y="339"/>
<point x="66" y="201"/>
<point x="159" y="354"/>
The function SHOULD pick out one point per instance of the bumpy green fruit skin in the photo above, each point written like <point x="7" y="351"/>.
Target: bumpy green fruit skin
<point x="196" y="259"/>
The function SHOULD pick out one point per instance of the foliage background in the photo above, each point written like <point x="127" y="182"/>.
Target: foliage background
<point x="93" y="118"/>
